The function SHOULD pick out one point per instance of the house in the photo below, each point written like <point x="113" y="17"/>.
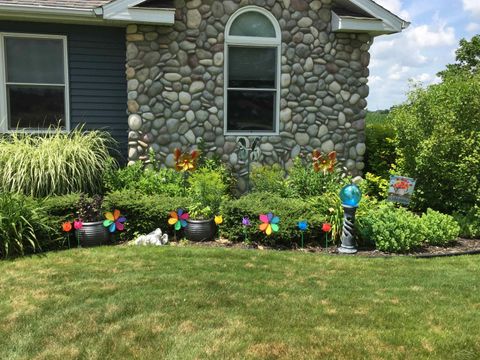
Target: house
<point x="293" y="73"/>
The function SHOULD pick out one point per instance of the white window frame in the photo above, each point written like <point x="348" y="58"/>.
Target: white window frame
<point x="250" y="41"/>
<point x="4" y="121"/>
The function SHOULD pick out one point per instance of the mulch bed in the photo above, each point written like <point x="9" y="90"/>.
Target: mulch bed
<point x="459" y="247"/>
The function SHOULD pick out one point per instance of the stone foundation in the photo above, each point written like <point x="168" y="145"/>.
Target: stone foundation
<point x="176" y="85"/>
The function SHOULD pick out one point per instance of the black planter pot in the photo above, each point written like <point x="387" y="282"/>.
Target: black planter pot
<point x="92" y="234"/>
<point x="200" y="230"/>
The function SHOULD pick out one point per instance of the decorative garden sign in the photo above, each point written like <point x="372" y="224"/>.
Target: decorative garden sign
<point x="401" y="189"/>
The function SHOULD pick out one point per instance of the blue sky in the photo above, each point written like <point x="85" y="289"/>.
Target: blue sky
<point x="422" y="50"/>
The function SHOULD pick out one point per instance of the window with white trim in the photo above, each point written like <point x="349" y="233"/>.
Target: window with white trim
<point x="252" y="72"/>
<point x="33" y="82"/>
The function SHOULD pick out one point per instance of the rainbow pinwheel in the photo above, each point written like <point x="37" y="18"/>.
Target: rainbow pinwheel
<point x="178" y="219"/>
<point x="269" y="223"/>
<point x="114" y="221"/>
<point x="324" y="163"/>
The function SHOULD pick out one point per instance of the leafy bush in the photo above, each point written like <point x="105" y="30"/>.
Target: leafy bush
<point x="303" y="181"/>
<point x="206" y="191"/>
<point x="144" y="213"/>
<point x="375" y="186"/>
<point x="55" y="163"/>
<point x="381" y="151"/>
<point x="440" y="229"/>
<point x="146" y="181"/>
<point x="23" y="225"/>
<point x="290" y="211"/>
<point x="391" y="229"/>
<point x="269" y="178"/>
<point x="438" y="142"/>
<point x="469" y="223"/>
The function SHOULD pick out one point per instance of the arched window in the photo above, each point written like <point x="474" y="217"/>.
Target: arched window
<point x="252" y="72"/>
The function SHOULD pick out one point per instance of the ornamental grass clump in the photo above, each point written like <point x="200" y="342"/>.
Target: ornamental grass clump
<point x="23" y="225"/>
<point x="55" y="163"/>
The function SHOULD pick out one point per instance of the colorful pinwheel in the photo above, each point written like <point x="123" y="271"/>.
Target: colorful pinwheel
<point x="178" y="219"/>
<point x="185" y="161"/>
<point x="326" y="228"/>
<point x="114" y="221"/>
<point x="303" y="226"/>
<point x="269" y="223"/>
<point x="324" y="163"/>
<point x="67" y="226"/>
<point x="77" y="224"/>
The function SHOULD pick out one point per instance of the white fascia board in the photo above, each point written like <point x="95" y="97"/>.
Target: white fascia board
<point x="379" y="12"/>
<point x="125" y="10"/>
<point x="144" y="16"/>
<point x="360" y="25"/>
<point x="46" y="14"/>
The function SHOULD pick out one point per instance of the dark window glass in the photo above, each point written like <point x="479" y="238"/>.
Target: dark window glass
<point x="37" y="61"/>
<point x="251" y="111"/>
<point x="252" y="24"/>
<point x="35" y="107"/>
<point x="250" y="67"/>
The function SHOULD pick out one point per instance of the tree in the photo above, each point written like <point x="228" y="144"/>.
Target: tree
<point x="468" y="58"/>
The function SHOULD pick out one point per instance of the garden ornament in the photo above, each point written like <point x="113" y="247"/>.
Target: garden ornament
<point x="178" y="219"/>
<point x="114" y="221"/>
<point x="155" y="238"/>
<point x="248" y="153"/>
<point x="324" y="163"/>
<point x="185" y="161"/>
<point x="303" y="226"/>
<point x="269" y="223"/>
<point x="350" y="195"/>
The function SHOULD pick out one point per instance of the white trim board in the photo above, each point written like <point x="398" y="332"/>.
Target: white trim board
<point x="391" y="22"/>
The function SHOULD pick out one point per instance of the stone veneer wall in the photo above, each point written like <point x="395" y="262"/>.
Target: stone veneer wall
<point x="175" y="84"/>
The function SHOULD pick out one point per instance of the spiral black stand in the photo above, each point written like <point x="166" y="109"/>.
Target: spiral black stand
<point x="348" y="233"/>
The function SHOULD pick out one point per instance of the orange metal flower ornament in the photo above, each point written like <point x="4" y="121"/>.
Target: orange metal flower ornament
<point x="185" y="161"/>
<point x="324" y="163"/>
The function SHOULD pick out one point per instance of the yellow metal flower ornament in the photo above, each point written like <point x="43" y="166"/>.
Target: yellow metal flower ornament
<point x="185" y="161"/>
<point x="324" y="163"/>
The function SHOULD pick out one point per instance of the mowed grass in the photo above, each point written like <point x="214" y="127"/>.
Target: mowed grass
<point x="198" y="303"/>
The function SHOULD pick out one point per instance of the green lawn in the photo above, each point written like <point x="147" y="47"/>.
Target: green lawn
<point x="198" y="303"/>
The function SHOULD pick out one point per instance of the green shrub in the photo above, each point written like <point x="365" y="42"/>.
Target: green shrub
<point x="290" y="211"/>
<point x="381" y="151"/>
<point x="146" y="181"/>
<point x="440" y="229"/>
<point x="144" y="213"/>
<point x="206" y="191"/>
<point x="375" y="186"/>
<point x="55" y="163"/>
<point x="438" y="142"/>
<point x="23" y="226"/>
<point x="303" y="181"/>
<point x="391" y="229"/>
<point x="469" y="223"/>
<point x="269" y="178"/>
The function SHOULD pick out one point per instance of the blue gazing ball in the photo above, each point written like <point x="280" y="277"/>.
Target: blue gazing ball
<point x="350" y="195"/>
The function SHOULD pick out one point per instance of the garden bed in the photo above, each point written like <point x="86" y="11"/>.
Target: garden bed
<point x="459" y="247"/>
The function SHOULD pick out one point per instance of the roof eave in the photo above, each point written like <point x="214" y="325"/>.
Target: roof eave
<point x="351" y="24"/>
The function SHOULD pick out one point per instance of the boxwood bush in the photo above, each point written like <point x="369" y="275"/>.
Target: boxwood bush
<point x="398" y="230"/>
<point x="290" y="211"/>
<point x="144" y="213"/>
<point x="440" y="229"/>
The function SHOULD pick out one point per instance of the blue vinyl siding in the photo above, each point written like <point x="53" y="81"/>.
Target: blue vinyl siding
<point x="96" y="67"/>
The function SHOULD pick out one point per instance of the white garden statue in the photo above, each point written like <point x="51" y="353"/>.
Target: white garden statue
<point x="156" y="238"/>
